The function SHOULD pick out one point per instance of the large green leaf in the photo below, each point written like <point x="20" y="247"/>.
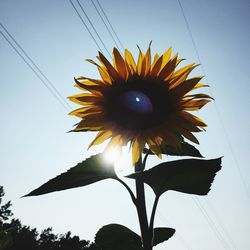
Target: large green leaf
<point x="162" y="234"/>
<point x="87" y="172"/>
<point x="186" y="149"/>
<point x="193" y="176"/>
<point x="117" y="237"/>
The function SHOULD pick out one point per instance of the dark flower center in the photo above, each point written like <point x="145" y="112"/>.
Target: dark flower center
<point x="136" y="101"/>
<point x="138" y="104"/>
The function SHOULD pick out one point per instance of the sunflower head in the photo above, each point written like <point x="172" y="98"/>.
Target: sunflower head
<point x="142" y="103"/>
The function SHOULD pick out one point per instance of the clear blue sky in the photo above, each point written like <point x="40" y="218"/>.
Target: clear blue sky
<point x="35" y="147"/>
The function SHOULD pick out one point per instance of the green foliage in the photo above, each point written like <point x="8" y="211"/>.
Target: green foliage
<point x="190" y="176"/>
<point x="19" y="237"/>
<point x="15" y="236"/>
<point x="5" y="240"/>
<point x="87" y="172"/>
<point x="186" y="149"/>
<point x="5" y="212"/>
<point x="162" y="234"/>
<point x="117" y="237"/>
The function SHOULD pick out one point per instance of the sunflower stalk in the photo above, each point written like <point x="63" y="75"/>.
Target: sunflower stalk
<point x="146" y="233"/>
<point x="146" y="104"/>
<point x="152" y="218"/>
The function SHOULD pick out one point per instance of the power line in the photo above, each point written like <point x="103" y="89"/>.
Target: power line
<point x="36" y="67"/>
<point x="112" y="28"/>
<point x="93" y="27"/>
<point x="85" y="25"/>
<point x="215" y="104"/>
<point x="34" y="71"/>
<point x="218" y="114"/>
<point x="181" y="238"/>
<point x="220" y="223"/>
<point x="199" y="205"/>
<point x="110" y="33"/>
<point x="211" y="223"/>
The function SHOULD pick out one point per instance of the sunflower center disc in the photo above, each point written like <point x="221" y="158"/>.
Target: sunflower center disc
<point x="136" y="101"/>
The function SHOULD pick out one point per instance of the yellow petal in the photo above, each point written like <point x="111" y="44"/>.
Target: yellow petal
<point x="200" y="85"/>
<point x="84" y="99"/>
<point x="147" y="59"/>
<point x="170" y="137"/>
<point x="82" y="112"/>
<point x="195" y="104"/>
<point x="189" y="135"/>
<point x="193" y="119"/>
<point x="90" y="81"/>
<point x="137" y="148"/>
<point x="141" y="64"/>
<point x="167" y="69"/>
<point x="187" y="125"/>
<point x="166" y="56"/>
<point x="196" y="96"/>
<point x="104" y="75"/>
<point x="185" y="87"/>
<point x="92" y="123"/>
<point x="154" y="147"/>
<point x="181" y="75"/>
<point x="92" y="62"/>
<point x="89" y="86"/>
<point x="120" y="64"/>
<point x="116" y="141"/>
<point x="111" y="70"/>
<point x="156" y="57"/>
<point x="156" y="68"/>
<point x="101" y="137"/>
<point x="130" y="60"/>
<point x="184" y="69"/>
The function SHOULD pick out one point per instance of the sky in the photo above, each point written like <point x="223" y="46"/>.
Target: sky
<point x="34" y="145"/>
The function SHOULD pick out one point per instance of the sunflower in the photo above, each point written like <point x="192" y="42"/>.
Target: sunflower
<point x="143" y="103"/>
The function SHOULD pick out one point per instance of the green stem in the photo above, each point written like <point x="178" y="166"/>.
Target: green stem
<point x="145" y="160"/>
<point x="141" y="210"/>
<point x="151" y="227"/>
<point x="129" y="190"/>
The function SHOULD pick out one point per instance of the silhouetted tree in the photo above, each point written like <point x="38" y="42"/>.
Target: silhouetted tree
<point x="15" y="236"/>
<point x="5" y="212"/>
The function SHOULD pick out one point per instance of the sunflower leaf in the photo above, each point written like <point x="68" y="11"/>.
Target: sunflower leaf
<point x="162" y="234"/>
<point x="89" y="171"/>
<point x="186" y="149"/>
<point x="115" y="236"/>
<point x="192" y="176"/>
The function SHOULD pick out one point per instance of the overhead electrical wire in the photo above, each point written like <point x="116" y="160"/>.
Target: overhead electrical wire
<point x="220" y="223"/>
<point x="85" y="25"/>
<point x="49" y="85"/>
<point x="111" y="26"/>
<point x="202" y="209"/>
<point x="93" y="27"/>
<point x="244" y="185"/>
<point x="57" y="94"/>
<point x="211" y="223"/>
<point x="110" y="33"/>
<point x="182" y="240"/>
<point x="179" y="236"/>
<point x="50" y="89"/>
<point x="231" y="149"/>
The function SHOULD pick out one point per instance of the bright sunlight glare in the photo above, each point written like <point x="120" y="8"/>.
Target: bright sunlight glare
<point x="121" y="160"/>
<point x="112" y="155"/>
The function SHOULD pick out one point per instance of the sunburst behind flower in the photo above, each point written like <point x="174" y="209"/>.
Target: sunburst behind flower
<point x="143" y="103"/>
